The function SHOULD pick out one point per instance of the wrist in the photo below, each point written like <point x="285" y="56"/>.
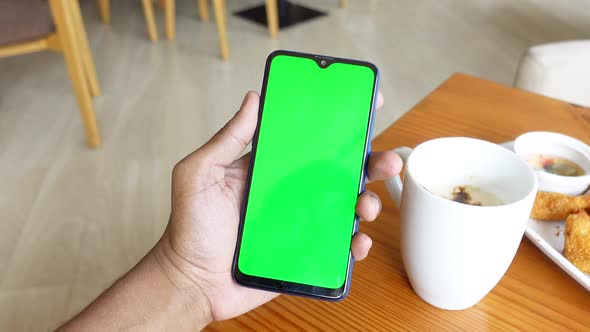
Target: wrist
<point x="186" y="290"/>
<point x="151" y="296"/>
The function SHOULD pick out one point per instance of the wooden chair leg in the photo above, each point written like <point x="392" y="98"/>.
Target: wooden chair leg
<point x="65" y="26"/>
<point x="82" y="40"/>
<point x="223" y="4"/>
<point x="150" y="21"/>
<point x="204" y="10"/>
<point x="218" y="9"/>
<point x="104" y="11"/>
<point x="272" y="17"/>
<point x="343" y="3"/>
<point x="170" y="14"/>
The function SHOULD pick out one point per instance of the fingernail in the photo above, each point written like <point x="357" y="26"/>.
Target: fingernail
<point x="377" y="202"/>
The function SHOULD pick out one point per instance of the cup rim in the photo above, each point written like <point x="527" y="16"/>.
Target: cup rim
<point x="532" y="190"/>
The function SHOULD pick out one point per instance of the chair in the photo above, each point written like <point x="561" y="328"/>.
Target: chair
<point x="272" y="15"/>
<point x="104" y="10"/>
<point x="558" y="70"/>
<point x="169" y="7"/>
<point x="28" y="26"/>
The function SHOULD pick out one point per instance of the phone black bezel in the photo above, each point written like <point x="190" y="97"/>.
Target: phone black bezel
<point x="323" y="293"/>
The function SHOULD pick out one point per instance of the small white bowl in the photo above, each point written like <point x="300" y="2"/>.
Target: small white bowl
<point x="559" y="145"/>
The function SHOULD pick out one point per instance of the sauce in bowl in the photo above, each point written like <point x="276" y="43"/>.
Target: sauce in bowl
<point x="555" y="165"/>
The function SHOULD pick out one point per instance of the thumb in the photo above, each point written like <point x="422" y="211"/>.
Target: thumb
<point x="228" y="143"/>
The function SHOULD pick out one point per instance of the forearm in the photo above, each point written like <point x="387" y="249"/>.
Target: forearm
<point x="146" y="298"/>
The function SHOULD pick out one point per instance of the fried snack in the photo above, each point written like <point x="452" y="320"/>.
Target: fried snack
<point x="555" y="206"/>
<point x="577" y="240"/>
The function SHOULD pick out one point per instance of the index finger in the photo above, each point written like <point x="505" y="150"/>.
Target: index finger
<point x="379" y="99"/>
<point x="383" y="165"/>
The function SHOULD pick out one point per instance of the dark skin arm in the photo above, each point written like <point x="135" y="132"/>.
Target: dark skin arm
<point x="185" y="281"/>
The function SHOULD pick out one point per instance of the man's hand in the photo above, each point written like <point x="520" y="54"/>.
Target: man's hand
<point x="208" y="188"/>
<point x="185" y="281"/>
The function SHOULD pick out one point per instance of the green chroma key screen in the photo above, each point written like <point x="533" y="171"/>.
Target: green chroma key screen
<point x="300" y="211"/>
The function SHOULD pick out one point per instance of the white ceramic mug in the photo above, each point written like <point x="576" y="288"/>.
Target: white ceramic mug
<point x="455" y="253"/>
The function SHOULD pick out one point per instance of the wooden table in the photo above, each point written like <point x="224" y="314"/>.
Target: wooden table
<point x="535" y="294"/>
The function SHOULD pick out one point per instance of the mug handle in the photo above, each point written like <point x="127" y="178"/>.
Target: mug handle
<point x="395" y="185"/>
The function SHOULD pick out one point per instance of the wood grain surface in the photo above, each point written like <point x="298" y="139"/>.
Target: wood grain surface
<point x="535" y="294"/>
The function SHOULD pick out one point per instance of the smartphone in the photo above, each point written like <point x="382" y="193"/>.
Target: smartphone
<point x="307" y="168"/>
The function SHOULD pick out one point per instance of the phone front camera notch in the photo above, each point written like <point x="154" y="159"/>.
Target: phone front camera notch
<point x="323" y="62"/>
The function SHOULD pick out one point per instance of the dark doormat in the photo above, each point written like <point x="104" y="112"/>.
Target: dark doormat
<point x="289" y="14"/>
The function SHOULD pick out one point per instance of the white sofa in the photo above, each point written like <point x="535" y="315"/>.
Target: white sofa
<point x="558" y="70"/>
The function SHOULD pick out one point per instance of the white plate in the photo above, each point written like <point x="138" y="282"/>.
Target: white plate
<point x="548" y="236"/>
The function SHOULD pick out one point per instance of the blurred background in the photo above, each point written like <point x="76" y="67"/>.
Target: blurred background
<point x="76" y="214"/>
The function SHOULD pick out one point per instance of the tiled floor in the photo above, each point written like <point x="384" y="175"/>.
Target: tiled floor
<point x="72" y="220"/>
